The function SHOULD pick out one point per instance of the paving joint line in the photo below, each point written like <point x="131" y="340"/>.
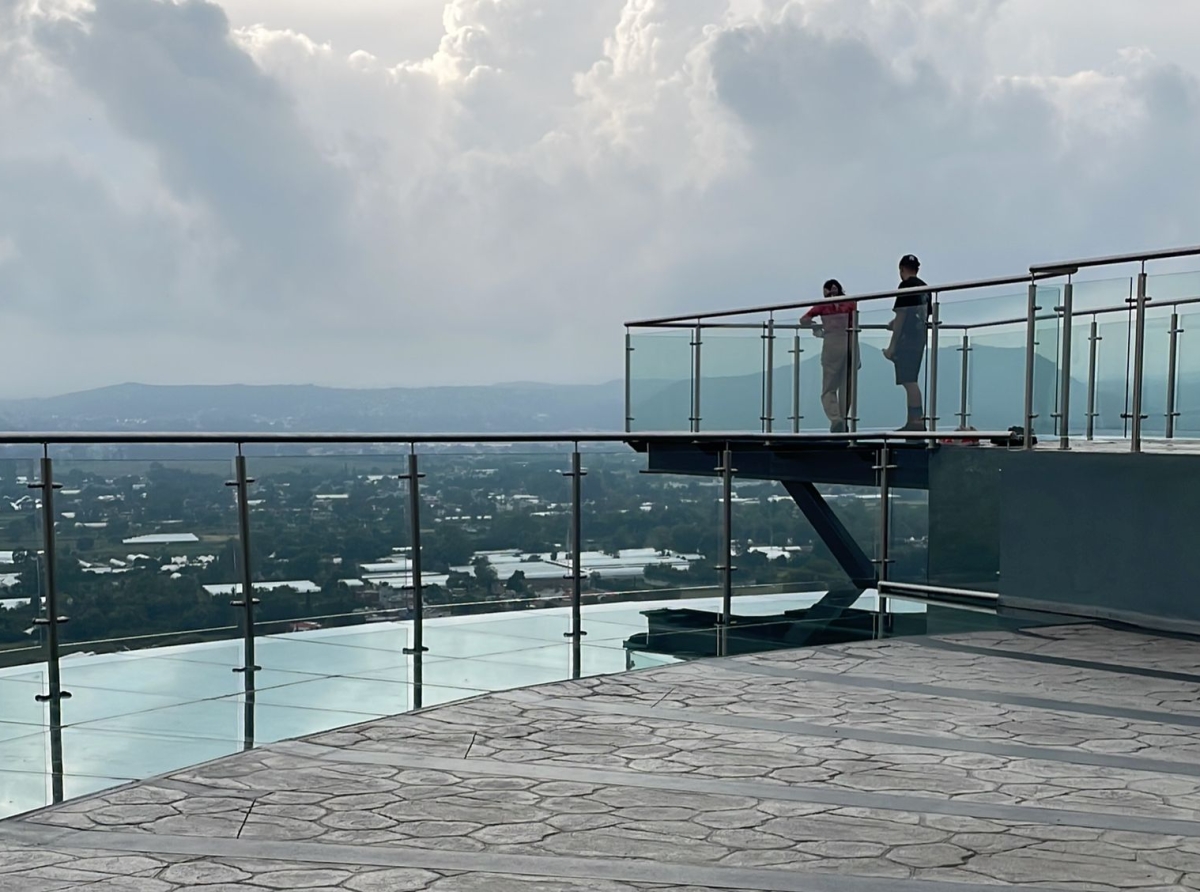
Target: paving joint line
<point x="946" y="692"/>
<point x="898" y="738"/>
<point x="1055" y="660"/>
<point x="791" y="878"/>
<point x="834" y="797"/>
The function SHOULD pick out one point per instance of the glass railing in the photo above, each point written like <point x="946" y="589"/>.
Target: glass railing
<point x="1187" y="396"/>
<point x="162" y="678"/>
<point x="156" y="670"/>
<point x="734" y="373"/>
<point x="732" y="379"/>
<point x="659" y="378"/>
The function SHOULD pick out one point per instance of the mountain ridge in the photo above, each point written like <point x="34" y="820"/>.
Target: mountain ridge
<point x="517" y="407"/>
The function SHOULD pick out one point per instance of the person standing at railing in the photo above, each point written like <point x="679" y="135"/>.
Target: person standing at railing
<point x="839" y="346"/>
<point x="906" y="350"/>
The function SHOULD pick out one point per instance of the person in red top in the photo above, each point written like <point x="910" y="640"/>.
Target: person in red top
<point x="839" y="347"/>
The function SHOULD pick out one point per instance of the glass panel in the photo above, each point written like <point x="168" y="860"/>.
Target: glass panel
<point x="1188" y="393"/>
<point x="731" y="380"/>
<point x="950" y="381"/>
<point x="1173" y="286"/>
<point x="1114" y="358"/>
<point x="1081" y="343"/>
<point x="997" y="379"/>
<point x="1155" y="368"/>
<point x="142" y="545"/>
<point x="881" y="403"/>
<point x="815" y="349"/>
<point x="787" y="342"/>
<point x="320" y="523"/>
<point x="996" y="331"/>
<point x="1046" y="366"/>
<point x="908" y="549"/>
<point x="24" y="759"/>
<point x="496" y="534"/>
<point x="21" y="562"/>
<point x="1102" y="294"/>
<point x="660" y="380"/>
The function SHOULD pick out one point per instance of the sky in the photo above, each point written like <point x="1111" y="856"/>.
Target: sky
<point x="420" y="192"/>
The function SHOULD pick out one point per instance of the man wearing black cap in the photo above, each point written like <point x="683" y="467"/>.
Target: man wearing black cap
<point x="907" y="348"/>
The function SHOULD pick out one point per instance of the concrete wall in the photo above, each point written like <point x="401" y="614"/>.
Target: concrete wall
<point x="1113" y="536"/>
<point x="1103" y="535"/>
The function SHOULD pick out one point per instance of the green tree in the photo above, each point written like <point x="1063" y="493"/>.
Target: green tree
<point x="517" y="584"/>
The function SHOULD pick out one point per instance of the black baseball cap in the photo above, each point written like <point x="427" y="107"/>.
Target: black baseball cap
<point x="910" y="261"/>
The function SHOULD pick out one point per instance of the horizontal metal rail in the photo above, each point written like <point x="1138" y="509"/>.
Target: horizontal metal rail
<point x="1022" y="279"/>
<point x="1067" y="267"/>
<point x="949" y="326"/>
<point x="192" y="438"/>
<point x="921" y="588"/>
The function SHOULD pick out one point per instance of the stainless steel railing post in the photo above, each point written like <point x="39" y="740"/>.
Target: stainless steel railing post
<point x="51" y="621"/>
<point x="768" y="413"/>
<point x="934" y="326"/>
<point x="241" y="484"/>
<point x="1172" y="375"/>
<point x="576" y="633"/>
<point x="697" y="339"/>
<point x="1030" y="362"/>
<point x="884" y="468"/>
<point x="418" y="648"/>
<point x="628" y="380"/>
<point x="1139" y="363"/>
<point x="1094" y="339"/>
<point x="852" y="378"/>
<point x="726" y="567"/>
<point x="797" y="350"/>
<point x="1064" y="400"/>
<point x="963" y="389"/>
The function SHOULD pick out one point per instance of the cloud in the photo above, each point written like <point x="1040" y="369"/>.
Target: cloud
<point x="196" y="195"/>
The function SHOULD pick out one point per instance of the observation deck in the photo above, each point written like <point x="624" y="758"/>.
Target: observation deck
<point x="992" y="679"/>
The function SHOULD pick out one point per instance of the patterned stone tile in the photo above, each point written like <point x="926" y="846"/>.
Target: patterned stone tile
<point x="655" y="773"/>
<point x="827" y="704"/>
<point x="1094" y="643"/>
<point x="913" y="663"/>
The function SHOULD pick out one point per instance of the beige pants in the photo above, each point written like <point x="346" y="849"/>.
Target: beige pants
<point x="835" y="367"/>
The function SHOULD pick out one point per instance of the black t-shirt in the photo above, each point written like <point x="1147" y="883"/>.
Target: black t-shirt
<point x="916" y="299"/>
<point x="914" y="323"/>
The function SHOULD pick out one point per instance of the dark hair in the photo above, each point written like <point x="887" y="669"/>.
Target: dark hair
<point x="909" y="261"/>
<point x="833" y="285"/>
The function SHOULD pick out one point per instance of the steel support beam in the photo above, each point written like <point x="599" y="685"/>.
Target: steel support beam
<point x="845" y="550"/>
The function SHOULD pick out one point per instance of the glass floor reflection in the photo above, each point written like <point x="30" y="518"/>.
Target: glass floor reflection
<point x="137" y="714"/>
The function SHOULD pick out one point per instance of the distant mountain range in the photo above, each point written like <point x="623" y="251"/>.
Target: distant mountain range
<point x="729" y="402"/>
<point x="515" y="408"/>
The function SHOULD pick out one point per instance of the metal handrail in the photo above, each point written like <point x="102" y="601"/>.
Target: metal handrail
<point x="971" y="285"/>
<point x="957" y="326"/>
<point x="1068" y="267"/>
<point x="234" y="438"/>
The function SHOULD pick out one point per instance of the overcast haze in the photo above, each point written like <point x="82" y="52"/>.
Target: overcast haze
<point x="408" y="192"/>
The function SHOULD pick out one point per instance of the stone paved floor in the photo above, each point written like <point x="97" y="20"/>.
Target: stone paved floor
<point x="1062" y="758"/>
